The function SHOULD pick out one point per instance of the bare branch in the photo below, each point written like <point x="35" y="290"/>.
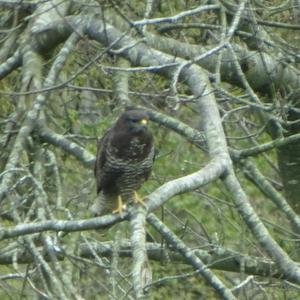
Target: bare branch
<point x="191" y="258"/>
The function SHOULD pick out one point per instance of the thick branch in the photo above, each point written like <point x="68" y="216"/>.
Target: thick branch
<point x="264" y="185"/>
<point x="33" y="114"/>
<point x="141" y="270"/>
<point x="191" y="257"/>
<point x="58" y="140"/>
<point x="59" y="225"/>
<point x="280" y="142"/>
<point x="286" y="265"/>
<point x="220" y="259"/>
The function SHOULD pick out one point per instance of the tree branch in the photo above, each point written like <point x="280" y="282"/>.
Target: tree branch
<point x="188" y="254"/>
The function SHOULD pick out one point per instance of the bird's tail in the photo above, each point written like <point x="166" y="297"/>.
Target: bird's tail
<point x="104" y="204"/>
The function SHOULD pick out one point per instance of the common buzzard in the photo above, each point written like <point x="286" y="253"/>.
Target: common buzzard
<point x="125" y="155"/>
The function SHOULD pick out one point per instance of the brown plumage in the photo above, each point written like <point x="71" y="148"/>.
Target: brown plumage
<point x="125" y="155"/>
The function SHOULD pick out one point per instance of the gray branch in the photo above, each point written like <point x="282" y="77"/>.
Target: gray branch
<point x="188" y="254"/>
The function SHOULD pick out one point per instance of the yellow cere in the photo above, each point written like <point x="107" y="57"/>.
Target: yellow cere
<point x="144" y="121"/>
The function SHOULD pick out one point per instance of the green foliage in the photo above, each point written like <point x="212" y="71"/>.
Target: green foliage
<point x="204" y="219"/>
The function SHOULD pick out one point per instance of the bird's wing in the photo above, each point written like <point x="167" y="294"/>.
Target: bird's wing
<point x="101" y="159"/>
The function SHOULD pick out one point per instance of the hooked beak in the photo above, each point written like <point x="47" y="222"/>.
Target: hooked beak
<point x="144" y="122"/>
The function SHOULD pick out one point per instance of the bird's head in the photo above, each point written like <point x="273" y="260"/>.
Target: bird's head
<point x="135" y="121"/>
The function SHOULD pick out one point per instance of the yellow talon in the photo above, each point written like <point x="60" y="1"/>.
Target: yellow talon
<point x="119" y="210"/>
<point x="138" y="199"/>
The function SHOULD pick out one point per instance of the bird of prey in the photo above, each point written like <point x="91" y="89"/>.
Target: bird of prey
<point x="124" y="160"/>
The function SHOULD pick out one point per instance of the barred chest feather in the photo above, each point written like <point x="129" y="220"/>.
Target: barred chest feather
<point x="131" y="173"/>
<point x="133" y="161"/>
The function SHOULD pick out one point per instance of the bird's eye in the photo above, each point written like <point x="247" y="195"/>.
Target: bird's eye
<point x="142" y="121"/>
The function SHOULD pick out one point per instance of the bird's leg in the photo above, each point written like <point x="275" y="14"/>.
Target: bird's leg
<point x="120" y="208"/>
<point x="138" y="199"/>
